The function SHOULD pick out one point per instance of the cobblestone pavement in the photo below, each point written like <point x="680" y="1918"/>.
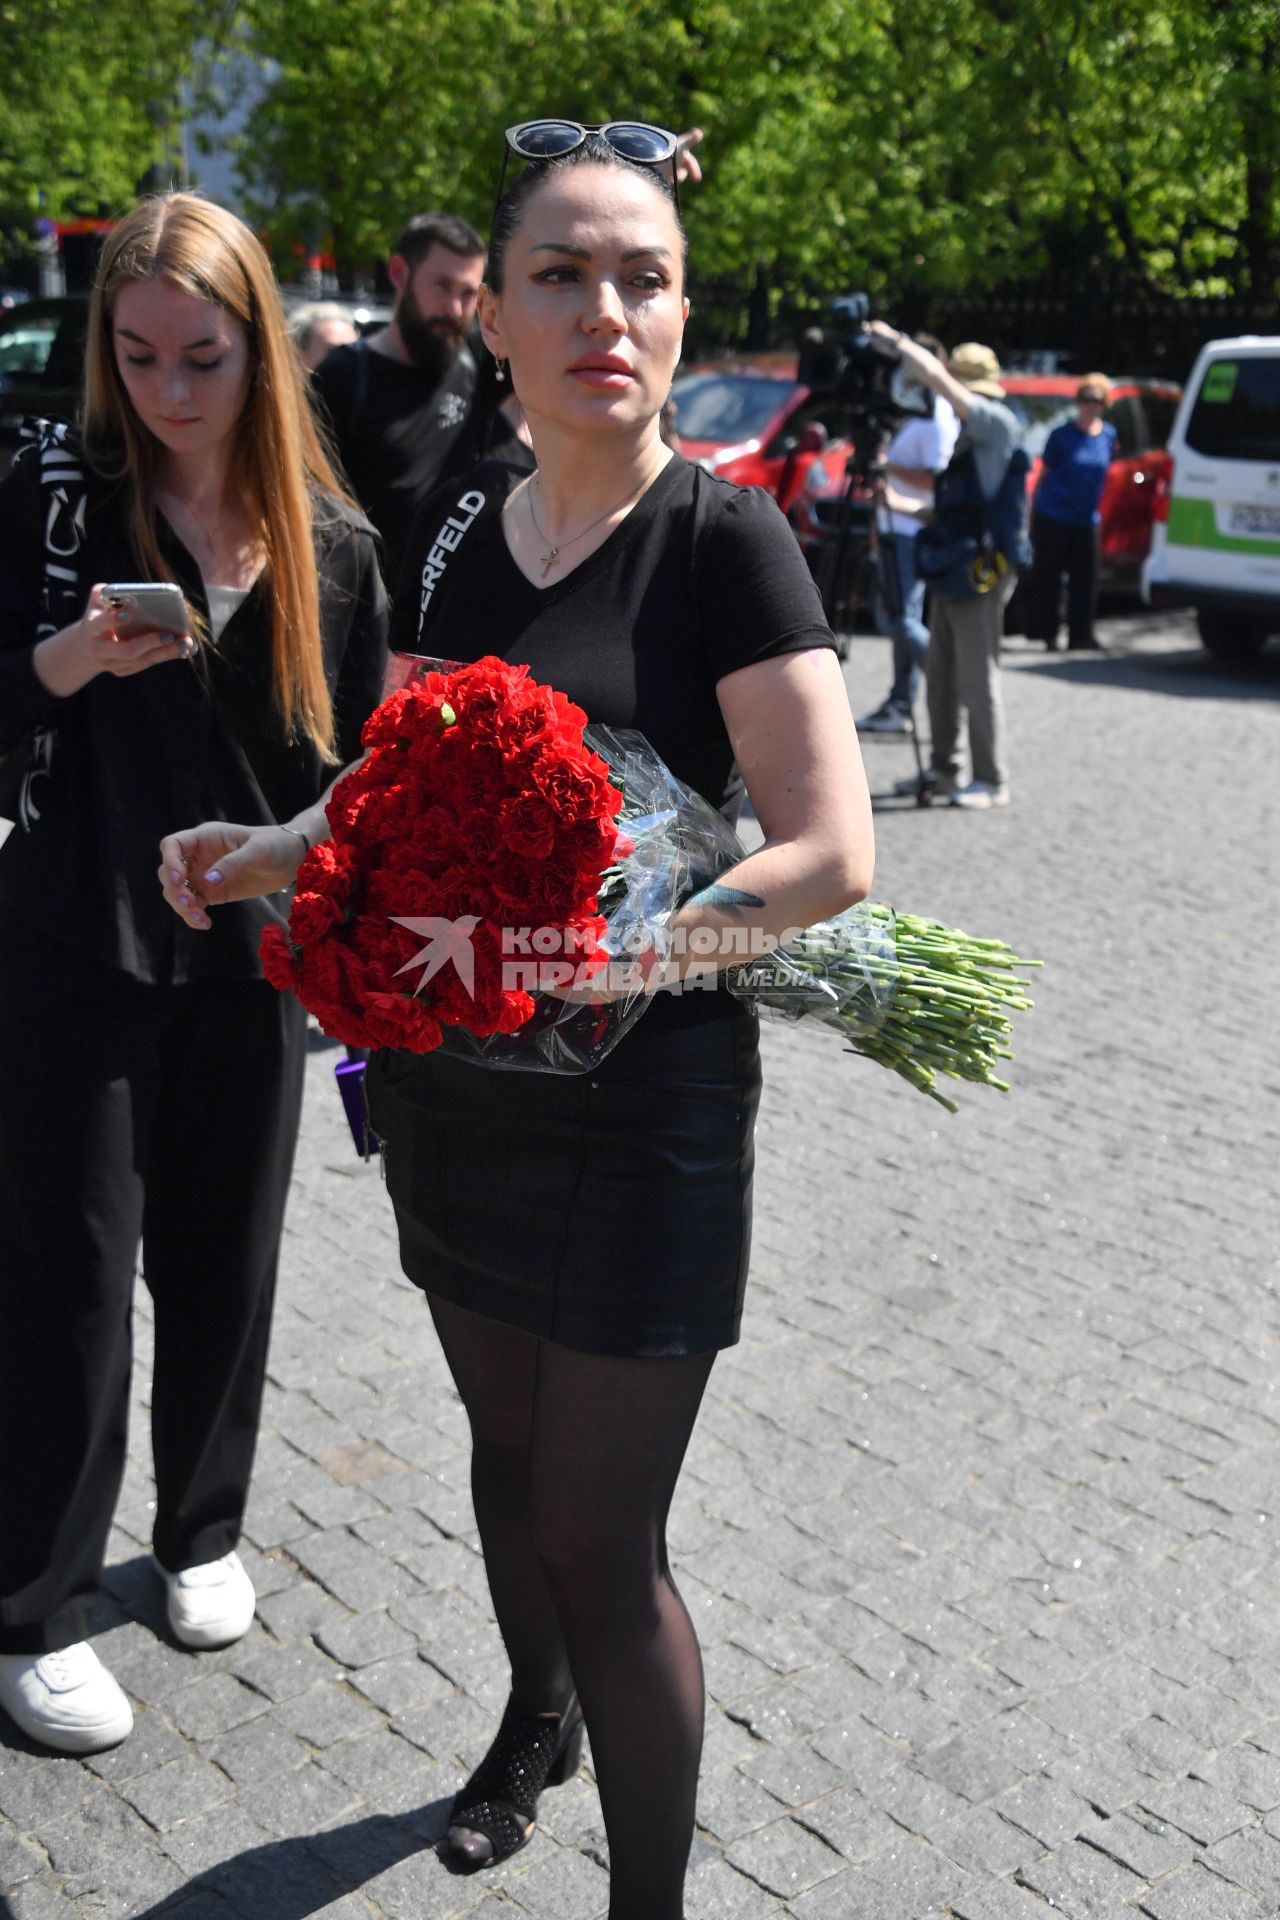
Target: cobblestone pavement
<point x="980" y="1525"/>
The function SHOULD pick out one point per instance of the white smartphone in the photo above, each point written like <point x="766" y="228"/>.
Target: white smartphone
<point x="146" y="606"/>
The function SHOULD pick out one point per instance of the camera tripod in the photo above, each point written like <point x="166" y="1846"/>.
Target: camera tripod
<point x="864" y="472"/>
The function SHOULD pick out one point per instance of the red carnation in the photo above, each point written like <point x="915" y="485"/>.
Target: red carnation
<point x="398" y="1020"/>
<point x="279" y="966"/>
<point x="323" y="892"/>
<point x="528" y="825"/>
<point x="383" y="727"/>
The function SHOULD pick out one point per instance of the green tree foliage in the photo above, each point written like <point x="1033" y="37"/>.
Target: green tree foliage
<point x="923" y="146"/>
<point x="1157" y="125"/>
<point x="928" y="144"/>
<point x="92" y="101"/>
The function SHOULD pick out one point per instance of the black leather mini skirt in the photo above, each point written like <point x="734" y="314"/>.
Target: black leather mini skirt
<point x="610" y="1211"/>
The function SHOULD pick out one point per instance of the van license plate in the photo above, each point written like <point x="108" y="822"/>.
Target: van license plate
<point x="1255" y="520"/>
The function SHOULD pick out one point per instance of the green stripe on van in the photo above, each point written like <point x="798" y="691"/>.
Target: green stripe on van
<point x="1192" y="524"/>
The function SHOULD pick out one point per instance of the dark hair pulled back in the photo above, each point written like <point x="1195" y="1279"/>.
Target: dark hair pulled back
<point x="427" y="230"/>
<point x="594" y="151"/>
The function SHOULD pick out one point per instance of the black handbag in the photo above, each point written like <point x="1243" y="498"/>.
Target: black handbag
<point x="25" y="768"/>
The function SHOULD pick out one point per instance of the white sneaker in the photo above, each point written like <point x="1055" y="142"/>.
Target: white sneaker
<point x="980" y="793"/>
<point x="66" y="1699"/>
<point x="210" y="1606"/>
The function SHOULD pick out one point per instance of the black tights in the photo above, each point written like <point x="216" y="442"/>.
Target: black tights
<point x="575" y="1458"/>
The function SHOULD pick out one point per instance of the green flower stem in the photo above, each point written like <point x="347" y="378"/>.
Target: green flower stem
<point x="913" y="995"/>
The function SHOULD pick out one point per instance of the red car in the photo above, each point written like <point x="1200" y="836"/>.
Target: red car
<point x="751" y="421"/>
<point x="1141" y="411"/>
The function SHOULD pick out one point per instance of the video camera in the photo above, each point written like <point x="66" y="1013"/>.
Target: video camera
<point x="858" y="367"/>
<point x="863" y="374"/>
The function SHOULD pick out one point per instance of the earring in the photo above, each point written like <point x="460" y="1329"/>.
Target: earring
<point x="499" y="370"/>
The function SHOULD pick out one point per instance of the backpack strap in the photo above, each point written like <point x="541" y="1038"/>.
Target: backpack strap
<point x="65" y="498"/>
<point x="451" y="531"/>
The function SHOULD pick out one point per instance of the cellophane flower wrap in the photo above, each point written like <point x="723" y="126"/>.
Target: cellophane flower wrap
<point x="538" y="855"/>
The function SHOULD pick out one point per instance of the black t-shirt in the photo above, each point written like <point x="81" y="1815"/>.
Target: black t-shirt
<point x="700" y="579"/>
<point x="137" y="758"/>
<point x="395" y="427"/>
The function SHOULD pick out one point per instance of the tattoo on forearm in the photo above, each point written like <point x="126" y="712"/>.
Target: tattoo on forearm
<point x="726" y="899"/>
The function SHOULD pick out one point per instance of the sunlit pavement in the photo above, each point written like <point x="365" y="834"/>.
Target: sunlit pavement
<point x="979" y="1527"/>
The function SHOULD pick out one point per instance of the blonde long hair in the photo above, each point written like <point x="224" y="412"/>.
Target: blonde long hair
<point x="277" y="460"/>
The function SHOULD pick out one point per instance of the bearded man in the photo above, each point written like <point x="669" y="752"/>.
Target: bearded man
<point x="399" y="400"/>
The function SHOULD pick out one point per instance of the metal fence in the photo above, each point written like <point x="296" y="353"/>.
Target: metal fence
<point x="1112" y="328"/>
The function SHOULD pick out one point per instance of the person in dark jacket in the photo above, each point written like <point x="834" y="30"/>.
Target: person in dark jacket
<point x="1066" y="519"/>
<point x="150" y="1081"/>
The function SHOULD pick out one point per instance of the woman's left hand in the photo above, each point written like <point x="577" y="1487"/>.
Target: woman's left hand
<point x="594" y="990"/>
<point x="577" y="995"/>
<point x="622" y="979"/>
<point x="220" y="861"/>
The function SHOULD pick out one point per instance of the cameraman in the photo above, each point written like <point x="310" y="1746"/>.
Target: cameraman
<point x="984" y="486"/>
<point x="918" y="452"/>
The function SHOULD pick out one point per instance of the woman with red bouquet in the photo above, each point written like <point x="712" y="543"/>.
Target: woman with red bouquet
<point x="583" y="1241"/>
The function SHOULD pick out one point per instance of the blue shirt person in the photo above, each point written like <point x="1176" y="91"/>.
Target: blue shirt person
<point x="1076" y="459"/>
<point x="1065" y="519"/>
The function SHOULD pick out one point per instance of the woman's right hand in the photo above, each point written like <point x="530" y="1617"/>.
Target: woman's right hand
<point x="219" y="861"/>
<point x="70" y="659"/>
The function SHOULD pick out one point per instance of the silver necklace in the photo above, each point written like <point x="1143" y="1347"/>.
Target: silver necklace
<point x="552" y="554"/>
<point x="185" y="507"/>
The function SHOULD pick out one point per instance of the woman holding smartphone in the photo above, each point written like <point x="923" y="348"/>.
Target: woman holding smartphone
<point x="150" y="1081"/>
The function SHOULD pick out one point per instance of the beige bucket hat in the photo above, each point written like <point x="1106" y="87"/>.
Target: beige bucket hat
<point x="977" y="368"/>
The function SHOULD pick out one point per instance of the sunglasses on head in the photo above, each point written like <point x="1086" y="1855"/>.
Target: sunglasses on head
<point x="633" y="140"/>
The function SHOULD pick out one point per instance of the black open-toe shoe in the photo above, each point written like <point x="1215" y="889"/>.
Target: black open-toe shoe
<point x="494" y="1815"/>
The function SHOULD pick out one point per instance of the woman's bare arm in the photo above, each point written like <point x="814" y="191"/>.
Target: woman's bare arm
<point x="797" y="748"/>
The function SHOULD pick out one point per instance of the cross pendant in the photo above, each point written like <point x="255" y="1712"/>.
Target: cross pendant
<point x="549" y="560"/>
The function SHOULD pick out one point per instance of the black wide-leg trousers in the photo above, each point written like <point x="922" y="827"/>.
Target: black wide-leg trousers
<point x="131" y="1113"/>
<point x="1059" y="549"/>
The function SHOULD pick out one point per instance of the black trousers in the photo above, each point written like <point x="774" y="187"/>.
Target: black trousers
<point x="131" y="1113"/>
<point x="1059" y="549"/>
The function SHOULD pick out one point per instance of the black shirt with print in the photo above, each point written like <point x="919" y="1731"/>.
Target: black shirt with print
<point x="394" y="427"/>
<point x="700" y="579"/>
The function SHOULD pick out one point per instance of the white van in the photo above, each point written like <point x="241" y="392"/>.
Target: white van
<point x="1216" y="542"/>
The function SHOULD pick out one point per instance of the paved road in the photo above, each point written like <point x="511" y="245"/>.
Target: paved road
<point x="980" y="1525"/>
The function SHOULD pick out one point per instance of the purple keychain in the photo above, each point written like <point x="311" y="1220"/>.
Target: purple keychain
<point x="349" y="1074"/>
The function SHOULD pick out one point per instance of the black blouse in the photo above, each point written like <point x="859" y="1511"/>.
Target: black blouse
<point x="188" y="741"/>
<point x="700" y="579"/>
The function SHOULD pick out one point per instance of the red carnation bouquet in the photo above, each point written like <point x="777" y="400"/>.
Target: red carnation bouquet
<point x="478" y="808"/>
<point x="530" y="851"/>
